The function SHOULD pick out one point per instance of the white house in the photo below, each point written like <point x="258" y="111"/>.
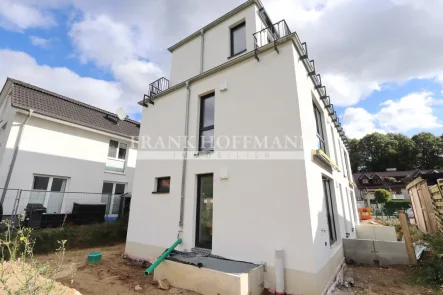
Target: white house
<point x="55" y="151"/>
<point x="243" y="78"/>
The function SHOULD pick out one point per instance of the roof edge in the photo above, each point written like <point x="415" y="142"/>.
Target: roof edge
<point x="216" y="22"/>
<point x="71" y="100"/>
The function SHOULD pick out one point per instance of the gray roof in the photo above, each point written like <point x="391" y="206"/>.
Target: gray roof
<point x="47" y="103"/>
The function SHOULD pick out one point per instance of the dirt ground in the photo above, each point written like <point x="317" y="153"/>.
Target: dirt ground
<point x="112" y="276"/>
<point x="381" y="280"/>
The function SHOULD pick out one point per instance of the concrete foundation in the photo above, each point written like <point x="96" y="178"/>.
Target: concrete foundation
<point x="375" y="252"/>
<point x="376" y="232"/>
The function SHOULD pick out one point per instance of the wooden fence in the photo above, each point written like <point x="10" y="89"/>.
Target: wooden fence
<point x="427" y="203"/>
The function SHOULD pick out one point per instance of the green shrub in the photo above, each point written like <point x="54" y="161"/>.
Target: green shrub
<point x="381" y="196"/>
<point x="79" y="236"/>
<point x="392" y="206"/>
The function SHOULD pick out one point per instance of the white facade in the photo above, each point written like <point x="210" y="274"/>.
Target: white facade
<point x="56" y="149"/>
<point x="258" y="205"/>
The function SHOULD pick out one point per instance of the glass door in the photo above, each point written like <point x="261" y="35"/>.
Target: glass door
<point x="56" y="195"/>
<point x="204" y="211"/>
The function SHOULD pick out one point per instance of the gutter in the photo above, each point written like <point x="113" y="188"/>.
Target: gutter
<point x="14" y="156"/>
<point x="55" y="120"/>
<point x="184" y="163"/>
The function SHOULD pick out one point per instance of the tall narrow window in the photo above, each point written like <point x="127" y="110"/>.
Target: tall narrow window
<point x="205" y="207"/>
<point x="329" y="211"/>
<point x="207" y="123"/>
<point x="238" y="39"/>
<point x="320" y="134"/>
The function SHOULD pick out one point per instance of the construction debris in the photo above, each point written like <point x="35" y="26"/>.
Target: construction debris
<point x="138" y="288"/>
<point x="163" y="284"/>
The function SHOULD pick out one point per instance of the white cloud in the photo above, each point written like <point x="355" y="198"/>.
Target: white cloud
<point x="21" y="16"/>
<point x="40" y="42"/>
<point x="103" y="94"/>
<point x="414" y="111"/>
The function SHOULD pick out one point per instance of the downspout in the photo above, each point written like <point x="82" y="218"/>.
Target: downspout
<point x="14" y="156"/>
<point x="202" y="33"/>
<point x="184" y="161"/>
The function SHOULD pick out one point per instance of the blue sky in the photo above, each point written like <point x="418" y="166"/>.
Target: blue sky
<point x="382" y="69"/>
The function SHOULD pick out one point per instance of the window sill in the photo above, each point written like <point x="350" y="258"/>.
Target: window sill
<point x="203" y="153"/>
<point x="116" y="159"/>
<point x="237" y="54"/>
<point x="115" y="172"/>
<point x="160" y="193"/>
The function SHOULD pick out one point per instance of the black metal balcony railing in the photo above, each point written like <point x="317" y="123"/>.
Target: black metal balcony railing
<point x="270" y="35"/>
<point x="155" y="88"/>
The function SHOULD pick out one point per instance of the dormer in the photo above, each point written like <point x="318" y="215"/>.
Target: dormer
<point x="376" y="179"/>
<point x="364" y="179"/>
<point x="229" y="36"/>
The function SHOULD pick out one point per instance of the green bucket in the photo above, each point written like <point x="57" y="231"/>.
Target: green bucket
<point x="94" y="257"/>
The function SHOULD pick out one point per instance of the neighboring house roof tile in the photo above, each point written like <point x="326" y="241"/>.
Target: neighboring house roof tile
<point x="47" y="103"/>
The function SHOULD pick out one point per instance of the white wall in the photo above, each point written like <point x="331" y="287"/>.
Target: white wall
<point x="249" y="208"/>
<point x="54" y="149"/>
<point x="185" y="62"/>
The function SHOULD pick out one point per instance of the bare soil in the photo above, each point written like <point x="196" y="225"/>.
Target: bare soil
<point x="112" y="276"/>
<point x="382" y="280"/>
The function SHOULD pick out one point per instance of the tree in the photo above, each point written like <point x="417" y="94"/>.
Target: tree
<point x="377" y="152"/>
<point x="428" y="149"/>
<point x="354" y="155"/>
<point x="382" y="196"/>
<point x="406" y="153"/>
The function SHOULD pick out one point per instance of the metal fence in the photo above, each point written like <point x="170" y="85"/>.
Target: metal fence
<point x="41" y="209"/>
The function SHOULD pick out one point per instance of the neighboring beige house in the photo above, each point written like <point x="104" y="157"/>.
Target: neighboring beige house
<point x="51" y="145"/>
<point x="244" y="77"/>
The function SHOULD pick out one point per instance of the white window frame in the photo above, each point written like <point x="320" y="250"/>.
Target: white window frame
<point x="118" y="148"/>
<point x="48" y="188"/>
<point x="111" y="203"/>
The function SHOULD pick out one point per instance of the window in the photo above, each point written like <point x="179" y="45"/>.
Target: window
<point x="117" y="150"/>
<point x="329" y="211"/>
<point x="48" y="191"/>
<point x="163" y="184"/>
<point x="116" y="156"/>
<point x="238" y="39"/>
<point x="205" y="206"/>
<point x="207" y="123"/>
<point x="364" y="181"/>
<point x="320" y="135"/>
<point x="111" y="196"/>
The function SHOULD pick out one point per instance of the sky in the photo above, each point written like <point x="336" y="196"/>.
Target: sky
<point x="381" y="60"/>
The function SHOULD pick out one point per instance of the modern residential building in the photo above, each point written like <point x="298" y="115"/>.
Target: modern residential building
<point x="235" y="82"/>
<point x="51" y="145"/>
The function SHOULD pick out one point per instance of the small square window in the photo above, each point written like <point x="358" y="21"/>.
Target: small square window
<point x="163" y="184"/>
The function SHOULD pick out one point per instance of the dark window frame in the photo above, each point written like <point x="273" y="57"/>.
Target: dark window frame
<point x="231" y="33"/>
<point x="197" y="223"/>
<point x="330" y="210"/>
<point x="159" y="189"/>
<point x="201" y="123"/>
<point x="319" y="128"/>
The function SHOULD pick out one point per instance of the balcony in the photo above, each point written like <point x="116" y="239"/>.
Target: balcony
<point x="270" y="35"/>
<point x="155" y="88"/>
<point x="115" y="165"/>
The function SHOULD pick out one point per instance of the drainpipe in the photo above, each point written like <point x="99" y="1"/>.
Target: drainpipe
<point x="202" y="33"/>
<point x="279" y="271"/>
<point x="184" y="163"/>
<point x="14" y="156"/>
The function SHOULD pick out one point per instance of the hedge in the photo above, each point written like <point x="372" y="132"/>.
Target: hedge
<point x="392" y="206"/>
<point x="79" y="236"/>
